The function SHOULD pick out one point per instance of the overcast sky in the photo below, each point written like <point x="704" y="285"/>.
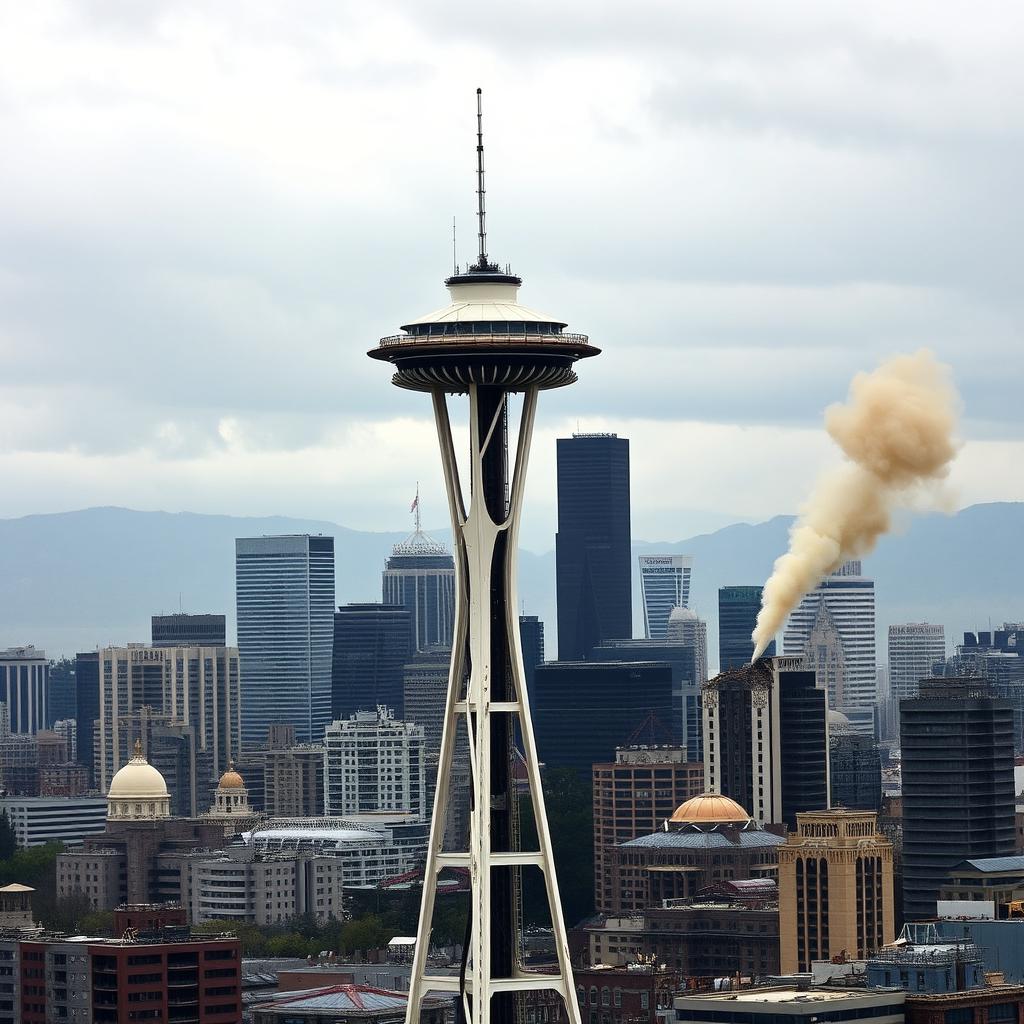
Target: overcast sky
<point x="208" y="212"/>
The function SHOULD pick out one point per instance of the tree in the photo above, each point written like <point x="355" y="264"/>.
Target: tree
<point x="8" y="838"/>
<point x="570" y="810"/>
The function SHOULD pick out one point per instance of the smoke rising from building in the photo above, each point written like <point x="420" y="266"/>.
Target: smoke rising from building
<point x="896" y="429"/>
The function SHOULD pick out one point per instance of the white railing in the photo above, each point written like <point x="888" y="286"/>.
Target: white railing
<point x="481" y="338"/>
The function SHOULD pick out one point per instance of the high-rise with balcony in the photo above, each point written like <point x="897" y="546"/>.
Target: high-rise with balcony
<point x="592" y="547"/>
<point x="664" y="585"/>
<point x="849" y="597"/>
<point x="284" y="592"/>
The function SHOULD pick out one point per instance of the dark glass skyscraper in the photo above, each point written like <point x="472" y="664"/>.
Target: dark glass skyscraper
<point x="583" y="710"/>
<point x="87" y="706"/>
<point x="956" y="741"/>
<point x="371" y="647"/>
<point x="592" y="547"/>
<point x="420" y="576"/>
<point x="737" y="616"/>
<point x="183" y="630"/>
<point x="531" y="636"/>
<point x="284" y="590"/>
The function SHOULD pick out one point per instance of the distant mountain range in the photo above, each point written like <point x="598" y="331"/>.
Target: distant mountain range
<point x="74" y="580"/>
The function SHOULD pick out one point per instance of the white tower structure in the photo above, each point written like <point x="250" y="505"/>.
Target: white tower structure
<point x="664" y="585"/>
<point x="486" y="345"/>
<point x="849" y="597"/>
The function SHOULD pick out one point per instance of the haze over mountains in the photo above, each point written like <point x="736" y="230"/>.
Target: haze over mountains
<point x="71" y="581"/>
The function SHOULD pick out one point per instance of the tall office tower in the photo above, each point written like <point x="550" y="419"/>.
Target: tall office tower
<point x="284" y="593"/>
<point x="824" y="656"/>
<point x="737" y="616"/>
<point x="181" y="629"/>
<point x="850" y="599"/>
<point x="685" y="728"/>
<point x="24" y="688"/>
<point x="855" y="767"/>
<point x="420" y="576"/>
<point x="194" y="688"/>
<point x="371" y="646"/>
<point x="486" y="345"/>
<point x="956" y="741"/>
<point x="87" y="708"/>
<point x="766" y="740"/>
<point x="835" y="889"/>
<point x="531" y="636"/>
<point x="373" y="763"/>
<point x="584" y="710"/>
<point x="915" y="648"/>
<point x="60" y="699"/>
<point x="593" y="582"/>
<point x="687" y="627"/>
<point x="664" y="585"/>
<point x="633" y="796"/>
<point x="293" y="781"/>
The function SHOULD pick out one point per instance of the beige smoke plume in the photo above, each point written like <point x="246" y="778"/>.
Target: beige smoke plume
<point x="897" y="431"/>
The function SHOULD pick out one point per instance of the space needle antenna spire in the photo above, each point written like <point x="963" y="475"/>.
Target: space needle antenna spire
<point x="481" y="213"/>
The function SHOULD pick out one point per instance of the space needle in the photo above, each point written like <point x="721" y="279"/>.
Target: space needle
<point x="484" y="344"/>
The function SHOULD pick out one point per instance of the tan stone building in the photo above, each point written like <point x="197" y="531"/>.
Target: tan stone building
<point x="632" y="797"/>
<point x="835" y="888"/>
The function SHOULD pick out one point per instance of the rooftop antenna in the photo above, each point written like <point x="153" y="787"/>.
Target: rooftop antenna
<point x="455" y="251"/>
<point x="416" y="508"/>
<point x="480" y="214"/>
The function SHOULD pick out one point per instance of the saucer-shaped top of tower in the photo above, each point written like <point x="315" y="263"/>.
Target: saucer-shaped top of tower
<point x="484" y="336"/>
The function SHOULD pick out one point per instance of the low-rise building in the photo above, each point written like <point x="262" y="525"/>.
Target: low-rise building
<point x="37" y="820"/>
<point x="708" y="839"/>
<point x="999" y="879"/>
<point x="791" y="1004"/>
<point x="343" y="1004"/>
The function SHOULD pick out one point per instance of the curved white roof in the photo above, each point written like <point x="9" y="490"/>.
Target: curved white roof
<point x="137" y="780"/>
<point x="482" y="301"/>
<point x="324" y="835"/>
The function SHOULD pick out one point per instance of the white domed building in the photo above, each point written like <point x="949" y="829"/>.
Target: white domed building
<point x="138" y="792"/>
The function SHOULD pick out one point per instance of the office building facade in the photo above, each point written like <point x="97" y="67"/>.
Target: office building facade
<point x="824" y="655"/>
<point x="374" y="763"/>
<point x="584" y="710"/>
<point x="284" y="590"/>
<point x="849" y="597"/>
<point x="835" y="889"/>
<point x="592" y="546"/>
<point x="420" y="577"/>
<point x="372" y="643"/>
<point x="737" y="616"/>
<point x="664" y="585"/>
<point x="766" y="739"/>
<point x="24" y="688"/>
<point x="855" y="769"/>
<point x="915" y="648"/>
<point x="633" y="796"/>
<point x="184" y="630"/>
<point x="531" y="636"/>
<point x="956" y="741"/>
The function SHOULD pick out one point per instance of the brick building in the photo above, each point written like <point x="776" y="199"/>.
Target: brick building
<point x="632" y="797"/>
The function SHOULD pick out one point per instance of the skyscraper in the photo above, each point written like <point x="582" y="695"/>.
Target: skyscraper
<point x="584" y="710"/>
<point x="824" y="655"/>
<point x="531" y="636"/>
<point x="850" y="599"/>
<point x="956" y="741"/>
<point x="766" y="740"/>
<point x="374" y="764"/>
<point x="371" y="646"/>
<point x="592" y="546"/>
<point x="915" y="648"/>
<point x="737" y="616"/>
<point x="664" y="585"/>
<point x="87" y="708"/>
<point x="284" y="592"/>
<point x="181" y="629"/>
<point x="685" y="626"/>
<point x="420" y="577"/>
<point x="24" y="678"/>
